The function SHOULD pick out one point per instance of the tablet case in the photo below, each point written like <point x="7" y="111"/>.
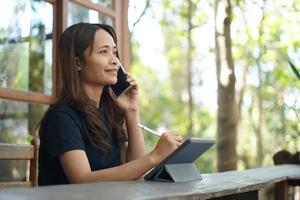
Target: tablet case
<point x="179" y="166"/>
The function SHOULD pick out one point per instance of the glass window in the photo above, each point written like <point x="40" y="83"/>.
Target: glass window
<point x="78" y="14"/>
<point x="104" y="3"/>
<point x="26" y="46"/>
<point x="18" y="119"/>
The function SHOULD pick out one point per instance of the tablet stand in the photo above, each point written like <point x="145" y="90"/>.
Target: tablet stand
<point x="180" y="172"/>
<point x="179" y="166"/>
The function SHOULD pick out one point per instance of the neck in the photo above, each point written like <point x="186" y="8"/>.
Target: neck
<point x="94" y="93"/>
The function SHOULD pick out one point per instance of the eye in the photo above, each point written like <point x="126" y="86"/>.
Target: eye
<point x="115" y="53"/>
<point x="103" y="51"/>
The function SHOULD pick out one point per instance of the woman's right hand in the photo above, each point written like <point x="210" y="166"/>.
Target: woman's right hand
<point x="167" y="144"/>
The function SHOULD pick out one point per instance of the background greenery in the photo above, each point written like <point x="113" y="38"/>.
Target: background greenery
<point x="265" y="36"/>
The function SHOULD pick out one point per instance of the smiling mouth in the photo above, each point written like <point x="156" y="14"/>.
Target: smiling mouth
<point x="113" y="71"/>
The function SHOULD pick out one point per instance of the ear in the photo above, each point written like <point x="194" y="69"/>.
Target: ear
<point x="78" y="65"/>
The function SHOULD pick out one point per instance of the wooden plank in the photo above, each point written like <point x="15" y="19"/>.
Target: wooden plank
<point x="88" y="4"/>
<point x="31" y="97"/>
<point x="16" y="152"/>
<point x="5" y="185"/>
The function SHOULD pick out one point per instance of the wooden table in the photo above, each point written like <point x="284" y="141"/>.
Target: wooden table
<point x="227" y="185"/>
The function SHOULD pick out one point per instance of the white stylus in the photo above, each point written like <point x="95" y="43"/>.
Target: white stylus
<point x="149" y="130"/>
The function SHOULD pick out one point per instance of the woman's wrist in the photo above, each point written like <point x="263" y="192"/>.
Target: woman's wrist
<point x="131" y="113"/>
<point x="154" y="158"/>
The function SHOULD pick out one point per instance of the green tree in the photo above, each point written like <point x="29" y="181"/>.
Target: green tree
<point x="227" y="121"/>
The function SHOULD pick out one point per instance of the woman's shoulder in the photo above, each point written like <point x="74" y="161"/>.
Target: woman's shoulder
<point x="61" y="116"/>
<point x="62" y="111"/>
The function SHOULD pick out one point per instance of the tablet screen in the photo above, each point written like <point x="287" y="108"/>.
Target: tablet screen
<point x="189" y="151"/>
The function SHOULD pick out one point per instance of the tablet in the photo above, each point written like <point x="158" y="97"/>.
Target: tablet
<point x="188" y="152"/>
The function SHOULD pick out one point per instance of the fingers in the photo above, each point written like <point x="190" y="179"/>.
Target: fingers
<point x="131" y="81"/>
<point x="129" y="77"/>
<point x="179" y="139"/>
<point x="175" y="144"/>
<point x="174" y="133"/>
<point x="173" y="138"/>
<point x="168" y="143"/>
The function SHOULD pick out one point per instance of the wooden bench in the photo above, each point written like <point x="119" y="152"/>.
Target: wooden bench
<point x="233" y="185"/>
<point x="20" y="152"/>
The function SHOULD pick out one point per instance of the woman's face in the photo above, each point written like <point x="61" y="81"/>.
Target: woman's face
<point x="101" y="63"/>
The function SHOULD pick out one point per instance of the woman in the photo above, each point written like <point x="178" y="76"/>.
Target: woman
<point x="88" y="135"/>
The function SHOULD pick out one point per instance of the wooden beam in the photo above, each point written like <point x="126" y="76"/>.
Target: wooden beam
<point x="117" y="27"/>
<point x="16" y="152"/>
<point x="33" y="168"/>
<point x="121" y="27"/>
<point x="60" y="13"/>
<point x="15" y="184"/>
<point x="281" y="190"/>
<point x="31" y="97"/>
<point x="125" y="34"/>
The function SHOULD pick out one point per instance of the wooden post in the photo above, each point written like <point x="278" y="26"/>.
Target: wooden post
<point x="281" y="190"/>
<point x="60" y="23"/>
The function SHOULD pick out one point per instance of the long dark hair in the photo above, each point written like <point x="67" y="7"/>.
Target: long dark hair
<point x="72" y="44"/>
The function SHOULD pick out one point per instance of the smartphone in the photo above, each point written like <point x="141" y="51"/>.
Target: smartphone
<point x="122" y="85"/>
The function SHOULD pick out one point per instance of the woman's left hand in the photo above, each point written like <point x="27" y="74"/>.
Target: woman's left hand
<point x="129" y="101"/>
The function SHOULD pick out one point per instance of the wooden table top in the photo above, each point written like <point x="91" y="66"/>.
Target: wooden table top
<point x="212" y="185"/>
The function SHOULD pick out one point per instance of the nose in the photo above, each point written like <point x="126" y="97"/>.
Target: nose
<point x="115" y="60"/>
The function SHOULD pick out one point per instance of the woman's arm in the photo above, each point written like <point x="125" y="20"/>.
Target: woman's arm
<point x="136" y="145"/>
<point x="129" y="104"/>
<point x="77" y="169"/>
<point x="83" y="174"/>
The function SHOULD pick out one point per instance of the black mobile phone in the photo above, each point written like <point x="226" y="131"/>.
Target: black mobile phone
<point x="122" y="85"/>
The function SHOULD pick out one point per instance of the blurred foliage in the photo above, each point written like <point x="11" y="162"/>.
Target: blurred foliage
<point x="279" y="86"/>
<point x="162" y="102"/>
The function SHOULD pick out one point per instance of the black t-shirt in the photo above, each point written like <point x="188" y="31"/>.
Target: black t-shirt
<point x="63" y="129"/>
